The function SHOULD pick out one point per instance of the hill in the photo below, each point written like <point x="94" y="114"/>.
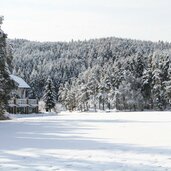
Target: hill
<point x="97" y="72"/>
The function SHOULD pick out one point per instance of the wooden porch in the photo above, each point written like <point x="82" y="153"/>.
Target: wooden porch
<point x="24" y="106"/>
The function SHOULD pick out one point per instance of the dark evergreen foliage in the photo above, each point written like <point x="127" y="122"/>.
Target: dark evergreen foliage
<point x="49" y="95"/>
<point x="6" y="84"/>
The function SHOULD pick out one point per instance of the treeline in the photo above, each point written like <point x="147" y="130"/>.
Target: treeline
<point x="100" y="74"/>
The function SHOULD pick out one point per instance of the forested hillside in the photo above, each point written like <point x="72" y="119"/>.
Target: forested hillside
<point x="100" y="73"/>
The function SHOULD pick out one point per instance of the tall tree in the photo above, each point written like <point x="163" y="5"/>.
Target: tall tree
<point x="6" y="84"/>
<point x="167" y="87"/>
<point x="157" y="88"/>
<point x="49" y="95"/>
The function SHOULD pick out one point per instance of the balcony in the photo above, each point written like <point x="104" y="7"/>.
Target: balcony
<point x="23" y="105"/>
<point x="23" y="102"/>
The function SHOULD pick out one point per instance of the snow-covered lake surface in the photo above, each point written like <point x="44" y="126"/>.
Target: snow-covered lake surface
<point x="87" y="141"/>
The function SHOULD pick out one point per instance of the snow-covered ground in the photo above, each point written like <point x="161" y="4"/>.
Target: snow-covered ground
<point x="87" y="141"/>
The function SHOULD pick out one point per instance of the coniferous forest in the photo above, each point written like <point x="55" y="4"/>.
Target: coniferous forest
<point x="108" y="73"/>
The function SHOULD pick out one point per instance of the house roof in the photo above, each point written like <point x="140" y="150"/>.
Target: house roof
<point x="21" y="83"/>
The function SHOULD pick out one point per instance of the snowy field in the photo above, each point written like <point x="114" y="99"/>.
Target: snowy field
<point x="87" y="141"/>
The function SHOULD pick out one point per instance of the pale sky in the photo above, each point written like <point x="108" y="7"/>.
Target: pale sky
<point x="63" y="20"/>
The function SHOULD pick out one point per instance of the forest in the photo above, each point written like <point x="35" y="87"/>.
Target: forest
<point x="107" y="73"/>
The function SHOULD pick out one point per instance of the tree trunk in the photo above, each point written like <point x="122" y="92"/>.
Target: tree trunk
<point x="99" y="104"/>
<point x="103" y="104"/>
<point x="108" y="105"/>
<point x="87" y="106"/>
<point x="95" y="107"/>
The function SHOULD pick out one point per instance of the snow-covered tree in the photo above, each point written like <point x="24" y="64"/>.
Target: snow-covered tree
<point x="104" y="89"/>
<point x="92" y="91"/>
<point x="167" y="87"/>
<point x="129" y="96"/>
<point x="83" y="98"/>
<point x="49" y="95"/>
<point x="157" y="91"/>
<point x="81" y="63"/>
<point x="146" y="88"/>
<point x="6" y="84"/>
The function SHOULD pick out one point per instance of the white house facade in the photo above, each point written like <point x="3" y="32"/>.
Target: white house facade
<point x="19" y="102"/>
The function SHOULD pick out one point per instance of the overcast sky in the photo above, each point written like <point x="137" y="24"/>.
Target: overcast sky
<point x="63" y="20"/>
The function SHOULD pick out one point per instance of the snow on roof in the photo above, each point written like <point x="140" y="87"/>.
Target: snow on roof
<point x="20" y="81"/>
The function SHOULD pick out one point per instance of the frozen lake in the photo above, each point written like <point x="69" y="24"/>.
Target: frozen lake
<point x="116" y="141"/>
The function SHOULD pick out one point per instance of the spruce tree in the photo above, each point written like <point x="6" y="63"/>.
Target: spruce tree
<point x="49" y="95"/>
<point x="6" y="84"/>
<point x="157" y="90"/>
<point x="167" y="87"/>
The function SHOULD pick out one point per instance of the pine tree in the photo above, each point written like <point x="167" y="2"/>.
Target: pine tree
<point x="49" y="95"/>
<point x="157" y="88"/>
<point x="104" y="88"/>
<point x="167" y="87"/>
<point x="146" y="88"/>
<point x="6" y="84"/>
<point x="129" y="95"/>
<point x="92" y="90"/>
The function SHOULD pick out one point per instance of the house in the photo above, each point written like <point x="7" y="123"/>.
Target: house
<point x="19" y="102"/>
